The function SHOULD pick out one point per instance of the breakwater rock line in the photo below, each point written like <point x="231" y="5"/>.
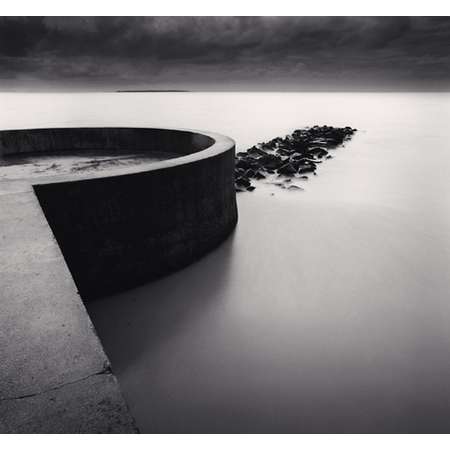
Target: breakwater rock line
<point x="282" y="161"/>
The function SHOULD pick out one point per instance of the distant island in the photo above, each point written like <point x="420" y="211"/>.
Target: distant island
<point x="151" y="90"/>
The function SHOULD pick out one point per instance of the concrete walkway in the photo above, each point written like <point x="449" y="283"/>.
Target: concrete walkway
<point x="54" y="374"/>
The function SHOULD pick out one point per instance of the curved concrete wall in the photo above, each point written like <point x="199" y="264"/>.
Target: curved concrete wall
<point x="121" y="229"/>
<point x="182" y="142"/>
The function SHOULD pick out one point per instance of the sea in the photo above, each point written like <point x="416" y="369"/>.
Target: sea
<point x="328" y="309"/>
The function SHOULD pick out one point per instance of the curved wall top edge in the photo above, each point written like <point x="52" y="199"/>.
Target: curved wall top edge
<point x="220" y="144"/>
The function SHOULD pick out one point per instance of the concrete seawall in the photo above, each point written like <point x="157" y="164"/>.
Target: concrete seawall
<point x="116" y="229"/>
<point x="182" y="142"/>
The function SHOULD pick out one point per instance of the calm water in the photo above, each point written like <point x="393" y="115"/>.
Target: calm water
<point x="328" y="310"/>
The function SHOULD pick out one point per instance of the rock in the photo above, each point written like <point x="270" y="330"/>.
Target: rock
<point x="270" y="162"/>
<point x="300" y="145"/>
<point x="259" y="175"/>
<point x="242" y="164"/>
<point x="256" y="151"/>
<point x="287" y="169"/>
<point x="247" y="163"/>
<point x="242" y="182"/>
<point x="306" y="169"/>
<point x="294" y="187"/>
<point x="284" y="151"/>
<point x="249" y="173"/>
<point x="251" y="188"/>
<point x="318" y="151"/>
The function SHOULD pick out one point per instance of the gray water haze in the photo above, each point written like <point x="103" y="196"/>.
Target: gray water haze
<point x="327" y="310"/>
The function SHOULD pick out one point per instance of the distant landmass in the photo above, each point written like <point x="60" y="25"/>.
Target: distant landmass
<point x="151" y="90"/>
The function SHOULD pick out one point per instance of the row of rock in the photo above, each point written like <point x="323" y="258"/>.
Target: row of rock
<point x="288" y="158"/>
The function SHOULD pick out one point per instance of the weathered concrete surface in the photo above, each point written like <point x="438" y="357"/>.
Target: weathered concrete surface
<point x="92" y="405"/>
<point x="49" y="354"/>
<point x="115" y="231"/>
<point x="47" y="338"/>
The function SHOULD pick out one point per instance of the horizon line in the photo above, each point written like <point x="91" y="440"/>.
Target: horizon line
<point x="184" y="91"/>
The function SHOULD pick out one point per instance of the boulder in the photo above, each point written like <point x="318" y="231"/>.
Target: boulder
<point x="284" y="151"/>
<point x="318" y="152"/>
<point x="242" y="182"/>
<point x="287" y="169"/>
<point x="270" y="162"/>
<point x="249" y="173"/>
<point x="305" y="169"/>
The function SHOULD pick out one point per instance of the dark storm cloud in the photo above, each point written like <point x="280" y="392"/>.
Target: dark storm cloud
<point x="226" y="52"/>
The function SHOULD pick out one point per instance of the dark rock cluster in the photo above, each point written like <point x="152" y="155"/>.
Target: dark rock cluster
<point x="283" y="160"/>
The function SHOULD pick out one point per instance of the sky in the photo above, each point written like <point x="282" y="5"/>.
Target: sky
<point x="225" y="53"/>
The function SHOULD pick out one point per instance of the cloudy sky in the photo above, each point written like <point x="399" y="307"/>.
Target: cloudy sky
<point x="225" y="53"/>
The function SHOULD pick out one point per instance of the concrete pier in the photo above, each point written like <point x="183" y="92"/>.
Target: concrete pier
<point x="54" y="374"/>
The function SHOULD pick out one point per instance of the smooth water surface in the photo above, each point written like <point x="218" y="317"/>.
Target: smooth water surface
<point x="328" y="310"/>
